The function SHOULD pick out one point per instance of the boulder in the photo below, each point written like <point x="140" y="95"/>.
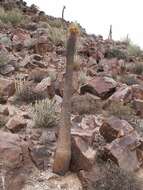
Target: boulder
<point x="40" y="155"/>
<point x="16" y="123"/>
<point x="14" y="160"/>
<point x="100" y="86"/>
<point x="125" y="152"/>
<point x="6" y="69"/>
<point x="78" y="160"/>
<point x="7" y="89"/>
<point x="42" y="86"/>
<point x="123" y="93"/>
<point x="114" y="128"/>
<point x="137" y="91"/>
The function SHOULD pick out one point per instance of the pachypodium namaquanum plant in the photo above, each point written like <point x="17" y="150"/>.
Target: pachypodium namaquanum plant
<point x="63" y="151"/>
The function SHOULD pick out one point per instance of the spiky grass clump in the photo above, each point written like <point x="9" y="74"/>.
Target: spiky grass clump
<point x="44" y="113"/>
<point x="14" y="17"/>
<point x="25" y="92"/>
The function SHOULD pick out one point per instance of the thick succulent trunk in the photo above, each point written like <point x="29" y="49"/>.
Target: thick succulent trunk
<point x="63" y="152"/>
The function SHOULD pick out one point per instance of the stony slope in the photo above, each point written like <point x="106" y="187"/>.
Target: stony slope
<point x="107" y="103"/>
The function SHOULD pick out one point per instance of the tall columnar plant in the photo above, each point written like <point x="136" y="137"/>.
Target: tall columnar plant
<point x="63" y="151"/>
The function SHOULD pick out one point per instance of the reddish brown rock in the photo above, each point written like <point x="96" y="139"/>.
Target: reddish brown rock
<point x="100" y="86"/>
<point x="7" y="89"/>
<point x="78" y="160"/>
<point x="14" y="159"/>
<point x="114" y="128"/>
<point x="16" y="123"/>
<point x="137" y="91"/>
<point x="123" y="93"/>
<point x="125" y="152"/>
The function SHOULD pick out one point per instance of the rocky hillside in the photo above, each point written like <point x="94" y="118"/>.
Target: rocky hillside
<point x="107" y="105"/>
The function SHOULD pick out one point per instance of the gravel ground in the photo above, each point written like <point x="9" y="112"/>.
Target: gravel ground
<point x="48" y="181"/>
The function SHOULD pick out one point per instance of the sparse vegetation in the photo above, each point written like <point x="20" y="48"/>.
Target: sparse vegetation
<point x="57" y="23"/>
<point x="25" y="93"/>
<point x="138" y="68"/>
<point x="121" y="111"/>
<point x="115" y="53"/>
<point x="56" y="33"/>
<point x="133" y="50"/>
<point x="14" y="17"/>
<point x="129" y="80"/>
<point x="108" y="176"/>
<point x="44" y="113"/>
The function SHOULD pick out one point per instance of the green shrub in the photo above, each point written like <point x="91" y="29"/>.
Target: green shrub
<point x="115" y="53"/>
<point x="14" y="17"/>
<point x="44" y="113"/>
<point x="134" y="50"/>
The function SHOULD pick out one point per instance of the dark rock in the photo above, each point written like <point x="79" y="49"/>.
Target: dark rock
<point x="100" y="86"/>
<point x="40" y="155"/>
<point x="16" y="123"/>
<point x="124" y="151"/>
<point x="78" y="160"/>
<point x="114" y="128"/>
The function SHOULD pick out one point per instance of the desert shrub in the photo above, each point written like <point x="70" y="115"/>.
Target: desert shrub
<point x="118" y="109"/>
<point x="129" y="80"/>
<point x="115" y="53"/>
<point x="44" y="113"/>
<point x="25" y="93"/>
<point x="14" y="17"/>
<point x="134" y="50"/>
<point x="58" y="35"/>
<point x="138" y="68"/>
<point x="108" y="176"/>
<point x="55" y="23"/>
